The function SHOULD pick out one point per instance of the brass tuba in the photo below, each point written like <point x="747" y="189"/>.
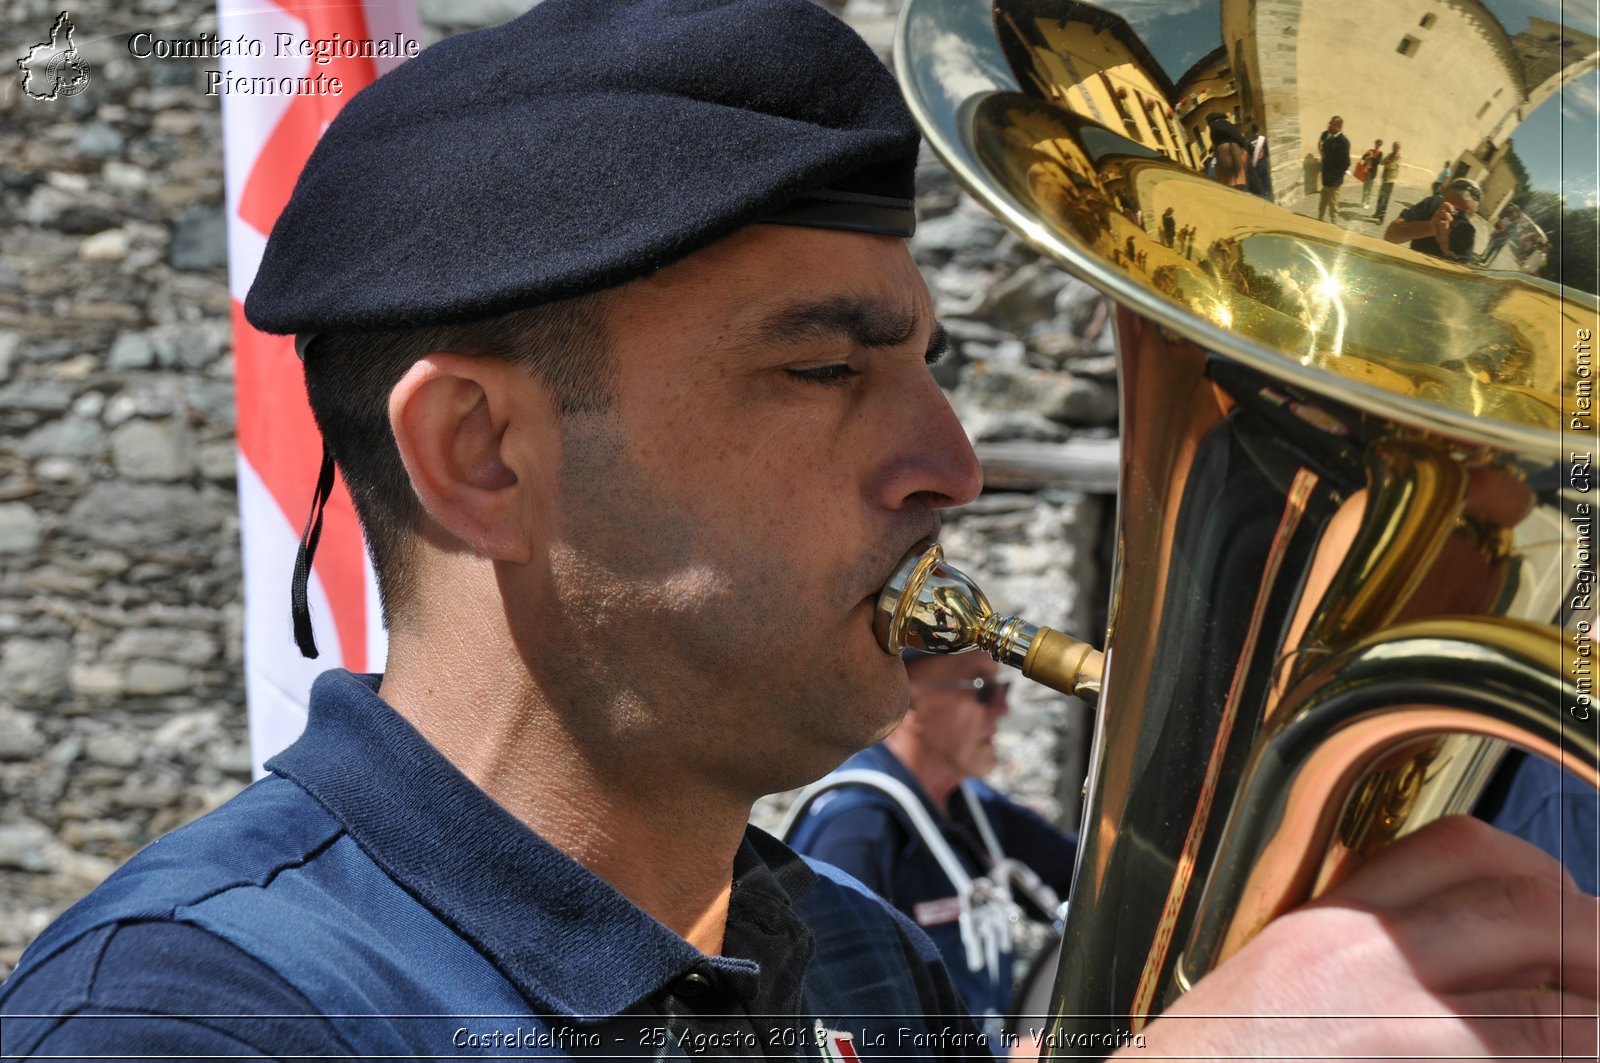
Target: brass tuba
<point x="1356" y="515"/>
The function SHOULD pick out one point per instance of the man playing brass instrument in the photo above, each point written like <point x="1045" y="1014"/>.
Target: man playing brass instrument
<point x="608" y="318"/>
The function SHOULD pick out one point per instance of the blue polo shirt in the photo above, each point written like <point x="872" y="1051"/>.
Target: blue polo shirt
<point x="1560" y="813"/>
<point x="366" y="900"/>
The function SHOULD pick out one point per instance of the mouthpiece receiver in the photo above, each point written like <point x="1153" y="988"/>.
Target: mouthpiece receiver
<point x="930" y="606"/>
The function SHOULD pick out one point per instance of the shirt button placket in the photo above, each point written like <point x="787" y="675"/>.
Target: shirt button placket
<point x="682" y="998"/>
<point x="693" y="988"/>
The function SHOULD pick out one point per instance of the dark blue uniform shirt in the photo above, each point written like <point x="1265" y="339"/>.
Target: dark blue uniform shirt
<point x="367" y="900"/>
<point x="1555" y="810"/>
<point x="868" y="835"/>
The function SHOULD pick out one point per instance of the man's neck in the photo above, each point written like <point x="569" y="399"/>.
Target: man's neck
<point x="666" y="845"/>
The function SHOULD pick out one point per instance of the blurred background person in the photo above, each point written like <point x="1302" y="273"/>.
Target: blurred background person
<point x="917" y="802"/>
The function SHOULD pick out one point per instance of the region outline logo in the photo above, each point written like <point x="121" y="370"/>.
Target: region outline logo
<point x="54" y="68"/>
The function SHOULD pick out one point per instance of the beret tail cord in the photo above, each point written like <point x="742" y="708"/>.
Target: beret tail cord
<point x="299" y="605"/>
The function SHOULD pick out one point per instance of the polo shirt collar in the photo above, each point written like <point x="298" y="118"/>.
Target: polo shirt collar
<point x="564" y="936"/>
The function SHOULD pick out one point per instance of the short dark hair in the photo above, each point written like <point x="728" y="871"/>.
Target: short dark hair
<point x="349" y="376"/>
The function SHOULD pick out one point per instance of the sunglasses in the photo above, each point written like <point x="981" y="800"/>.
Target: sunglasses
<point x="986" y="691"/>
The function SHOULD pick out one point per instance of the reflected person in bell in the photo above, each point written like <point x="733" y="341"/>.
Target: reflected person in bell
<point x="1440" y="225"/>
<point x="1371" y="161"/>
<point x="1009" y="860"/>
<point x="1391" y="174"/>
<point x="1334" y="148"/>
<point x="1259" y="173"/>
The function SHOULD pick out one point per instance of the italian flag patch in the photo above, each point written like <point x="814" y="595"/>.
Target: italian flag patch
<point x="837" y="1046"/>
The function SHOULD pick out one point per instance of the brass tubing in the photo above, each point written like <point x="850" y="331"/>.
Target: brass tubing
<point x="1414" y="497"/>
<point x="1476" y="675"/>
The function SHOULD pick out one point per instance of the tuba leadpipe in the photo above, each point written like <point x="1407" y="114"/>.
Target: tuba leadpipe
<point x="1353" y="550"/>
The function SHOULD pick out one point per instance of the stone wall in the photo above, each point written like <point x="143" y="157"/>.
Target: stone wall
<point x="121" y="712"/>
<point x="122" y="708"/>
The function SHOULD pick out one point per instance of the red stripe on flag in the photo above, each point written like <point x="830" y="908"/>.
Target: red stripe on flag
<point x="279" y="437"/>
<point x="266" y="191"/>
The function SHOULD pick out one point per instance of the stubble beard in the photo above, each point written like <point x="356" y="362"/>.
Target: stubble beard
<point x="675" y="646"/>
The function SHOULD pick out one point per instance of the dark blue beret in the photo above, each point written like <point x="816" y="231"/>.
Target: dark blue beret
<point x="577" y="147"/>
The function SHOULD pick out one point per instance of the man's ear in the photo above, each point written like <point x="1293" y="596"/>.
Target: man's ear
<point x="454" y="419"/>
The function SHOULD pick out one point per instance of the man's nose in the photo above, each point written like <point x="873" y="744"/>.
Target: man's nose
<point x="934" y="463"/>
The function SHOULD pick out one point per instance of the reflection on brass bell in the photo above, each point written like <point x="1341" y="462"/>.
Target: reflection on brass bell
<point x="929" y="606"/>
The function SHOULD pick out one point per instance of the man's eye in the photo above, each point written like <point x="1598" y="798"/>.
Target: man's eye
<point x="834" y="374"/>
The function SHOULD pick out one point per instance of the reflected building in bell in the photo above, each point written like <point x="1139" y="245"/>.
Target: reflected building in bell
<point x="1208" y="87"/>
<point x="1092" y="63"/>
<point x="1443" y="77"/>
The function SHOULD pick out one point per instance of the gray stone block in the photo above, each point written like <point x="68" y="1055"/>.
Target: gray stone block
<point x="70" y="437"/>
<point x="114" y="749"/>
<point x="98" y="141"/>
<point x="132" y="350"/>
<point x="20" y="737"/>
<point x="21" y="530"/>
<point x="200" y="240"/>
<point x="138" y="516"/>
<point x="37" y="396"/>
<point x="158" y="677"/>
<point x="153" y="450"/>
<point x="172" y="644"/>
<point x="29" y="846"/>
<point x="34" y="669"/>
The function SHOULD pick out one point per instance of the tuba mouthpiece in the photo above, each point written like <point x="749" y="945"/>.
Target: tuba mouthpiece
<point x="930" y="606"/>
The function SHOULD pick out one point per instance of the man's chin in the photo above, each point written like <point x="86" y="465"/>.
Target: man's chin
<point x="876" y="688"/>
<point x="984" y="761"/>
<point x="825" y="713"/>
<point x="876" y="701"/>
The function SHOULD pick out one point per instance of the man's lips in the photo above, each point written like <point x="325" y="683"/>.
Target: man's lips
<point x="912" y="545"/>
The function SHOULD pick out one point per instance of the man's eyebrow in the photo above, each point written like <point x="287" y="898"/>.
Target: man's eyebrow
<point x="864" y="322"/>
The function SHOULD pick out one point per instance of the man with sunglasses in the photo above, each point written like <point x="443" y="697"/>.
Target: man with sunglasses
<point x="865" y="820"/>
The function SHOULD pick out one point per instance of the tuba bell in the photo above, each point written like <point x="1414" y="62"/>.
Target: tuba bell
<point x="1356" y="521"/>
